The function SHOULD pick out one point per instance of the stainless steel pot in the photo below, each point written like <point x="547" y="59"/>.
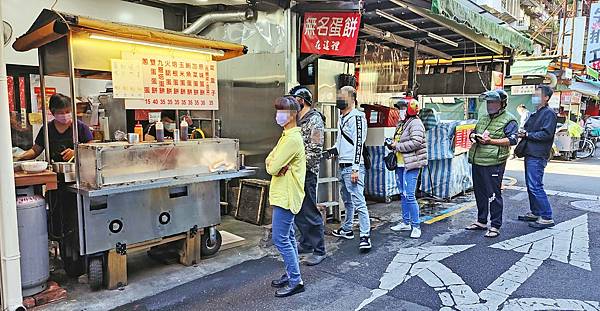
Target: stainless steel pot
<point x="63" y="167"/>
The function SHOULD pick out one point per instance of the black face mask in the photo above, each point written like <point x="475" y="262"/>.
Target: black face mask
<point x="341" y="104"/>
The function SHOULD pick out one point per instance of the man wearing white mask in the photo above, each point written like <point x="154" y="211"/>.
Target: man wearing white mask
<point x="352" y="134"/>
<point x="539" y="133"/>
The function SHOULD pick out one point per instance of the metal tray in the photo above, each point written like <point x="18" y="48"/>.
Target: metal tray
<point x="110" y="164"/>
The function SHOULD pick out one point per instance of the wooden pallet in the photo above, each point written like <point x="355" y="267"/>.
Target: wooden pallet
<point x="116" y="267"/>
<point x="231" y="240"/>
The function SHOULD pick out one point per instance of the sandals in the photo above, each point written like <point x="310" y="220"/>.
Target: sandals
<point x="492" y="233"/>
<point x="476" y="227"/>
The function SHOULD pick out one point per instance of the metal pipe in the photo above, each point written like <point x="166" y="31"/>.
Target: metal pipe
<point x="74" y="126"/>
<point x="75" y="140"/>
<point x="218" y="17"/>
<point x="11" y="296"/>
<point x="44" y="110"/>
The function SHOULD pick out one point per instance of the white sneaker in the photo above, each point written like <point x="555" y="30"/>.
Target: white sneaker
<point x="401" y="227"/>
<point x="415" y="233"/>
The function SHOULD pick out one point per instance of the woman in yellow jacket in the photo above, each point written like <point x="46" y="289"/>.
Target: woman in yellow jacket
<point x="287" y="164"/>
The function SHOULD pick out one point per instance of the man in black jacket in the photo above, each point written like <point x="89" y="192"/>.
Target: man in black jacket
<point x="539" y="135"/>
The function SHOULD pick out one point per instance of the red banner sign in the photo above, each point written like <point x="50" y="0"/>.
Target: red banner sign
<point x="330" y="33"/>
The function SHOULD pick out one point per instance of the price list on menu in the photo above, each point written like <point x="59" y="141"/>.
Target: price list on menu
<point x="176" y="83"/>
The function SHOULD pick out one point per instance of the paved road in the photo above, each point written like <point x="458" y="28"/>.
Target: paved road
<point x="579" y="176"/>
<point x="447" y="269"/>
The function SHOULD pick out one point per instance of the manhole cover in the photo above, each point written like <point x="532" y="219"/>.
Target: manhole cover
<point x="588" y="206"/>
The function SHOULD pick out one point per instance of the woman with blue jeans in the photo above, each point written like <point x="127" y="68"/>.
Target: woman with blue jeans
<point x="287" y="165"/>
<point x="411" y="155"/>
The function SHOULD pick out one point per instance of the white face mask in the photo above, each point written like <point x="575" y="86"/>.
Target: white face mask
<point x="402" y="114"/>
<point x="282" y="118"/>
<point x="169" y="126"/>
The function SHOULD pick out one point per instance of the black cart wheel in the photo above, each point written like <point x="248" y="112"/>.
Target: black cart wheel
<point x="208" y="248"/>
<point x="96" y="273"/>
<point x="73" y="267"/>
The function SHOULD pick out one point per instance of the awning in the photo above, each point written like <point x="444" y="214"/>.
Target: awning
<point x="586" y="89"/>
<point x="530" y="67"/>
<point x="459" y="11"/>
<point x="52" y="25"/>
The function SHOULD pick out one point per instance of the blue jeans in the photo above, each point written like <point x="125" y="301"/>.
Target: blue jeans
<point x="534" y="178"/>
<point x="353" y="195"/>
<point x="285" y="241"/>
<point x="406" y="180"/>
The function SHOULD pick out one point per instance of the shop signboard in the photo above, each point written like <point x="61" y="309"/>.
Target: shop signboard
<point x="497" y="80"/>
<point x="11" y="93"/>
<point x="522" y="89"/>
<point x="462" y="143"/>
<point x="167" y="82"/>
<point x="592" y="53"/>
<point x="570" y="97"/>
<point x="330" y="33"/>
<point x="554" y="101"/>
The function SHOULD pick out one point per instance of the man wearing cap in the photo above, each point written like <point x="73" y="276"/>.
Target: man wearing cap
<point x="494" y="133"/>
<point x="309" y="220"/>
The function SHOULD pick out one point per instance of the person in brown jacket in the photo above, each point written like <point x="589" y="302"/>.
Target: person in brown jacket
<point x="411" y="155"/>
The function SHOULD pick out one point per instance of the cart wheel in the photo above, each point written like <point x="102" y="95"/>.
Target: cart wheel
<point x="208" y="248"/>
<point x="388" y="199"/>
<point x="96" y="273"/>
<point x="73" y="267"/>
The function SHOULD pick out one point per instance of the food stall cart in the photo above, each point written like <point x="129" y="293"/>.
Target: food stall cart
<point x="128" y="196"/>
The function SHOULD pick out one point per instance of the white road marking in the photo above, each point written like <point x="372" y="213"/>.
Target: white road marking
<point x="535" y="304"/>
<point x="567" y="242"/>
<point x="424" y="263"/>
<point x="581" y="196"/>
<point x="586" y="205"/>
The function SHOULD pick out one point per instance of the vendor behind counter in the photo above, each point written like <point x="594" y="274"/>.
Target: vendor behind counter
<point x="169" y="121"/>
<point x="60" y="132"/>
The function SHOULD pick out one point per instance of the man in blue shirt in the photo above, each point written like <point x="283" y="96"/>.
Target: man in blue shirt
<point x="539" y="133"/>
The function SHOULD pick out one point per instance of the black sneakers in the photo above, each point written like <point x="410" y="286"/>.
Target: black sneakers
<point x="365" y="243"/>
<point x="341" y="233"/>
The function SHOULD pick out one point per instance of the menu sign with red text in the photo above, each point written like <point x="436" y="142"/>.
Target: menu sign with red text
<point x="176" y="83"/>
<point x="330" y="33"/>
<point x="462" y="142"/>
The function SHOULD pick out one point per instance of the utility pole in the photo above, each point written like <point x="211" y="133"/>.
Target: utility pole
<point x="572" y="36"/>
<point x="564" y="29"/>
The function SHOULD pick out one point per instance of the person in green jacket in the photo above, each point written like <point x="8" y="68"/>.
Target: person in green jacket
<point x="287" y="165"/>
<point x="492" y="138"/>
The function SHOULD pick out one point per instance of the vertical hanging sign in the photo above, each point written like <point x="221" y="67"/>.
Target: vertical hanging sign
<point x="330" y="33"/>
<point x="592" y="52"/>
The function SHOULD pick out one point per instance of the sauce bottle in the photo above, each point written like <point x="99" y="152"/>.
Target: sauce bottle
<point x="138" y="129"/>
<point x="160" y="131"/>
<point x="183" y="130"/>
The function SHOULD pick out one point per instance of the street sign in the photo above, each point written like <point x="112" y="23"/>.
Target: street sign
<point x="567" y="242"/>
<point x="330" y="33"/>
